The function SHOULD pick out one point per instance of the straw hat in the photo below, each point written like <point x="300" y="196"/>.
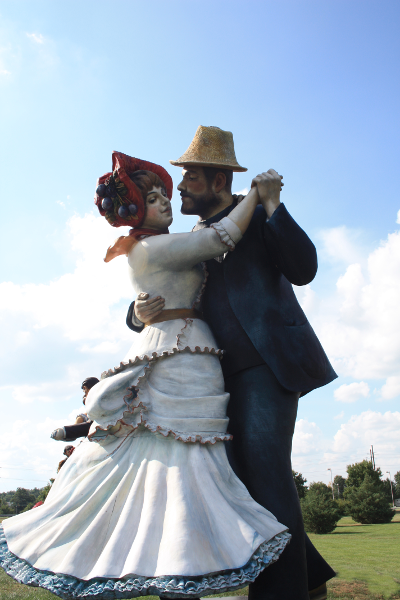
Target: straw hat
<point x="211" y="147"/>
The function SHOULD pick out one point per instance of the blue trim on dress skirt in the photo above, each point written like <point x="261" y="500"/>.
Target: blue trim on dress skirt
<point x="132" y="586"/>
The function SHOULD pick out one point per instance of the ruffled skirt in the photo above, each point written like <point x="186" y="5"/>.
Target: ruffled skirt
<point x="141" y="512"/>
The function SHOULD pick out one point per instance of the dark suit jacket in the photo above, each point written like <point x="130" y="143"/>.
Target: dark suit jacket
<point x="258" y="275"/>
<point x="271" y="256"/>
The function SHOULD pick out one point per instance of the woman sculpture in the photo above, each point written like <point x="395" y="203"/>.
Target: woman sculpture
<point x="148" y="504"/>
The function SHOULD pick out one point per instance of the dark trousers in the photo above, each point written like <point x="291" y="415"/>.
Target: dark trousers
<point x="262" y="416"/>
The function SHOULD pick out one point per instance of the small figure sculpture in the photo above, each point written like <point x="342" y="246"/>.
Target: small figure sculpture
<point x="148" y="504"/>
<point x="68" y="450"/>
<point x="70" y="433"/>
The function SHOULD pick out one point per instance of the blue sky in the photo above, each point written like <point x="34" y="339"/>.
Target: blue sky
<point x="310" y="88"/>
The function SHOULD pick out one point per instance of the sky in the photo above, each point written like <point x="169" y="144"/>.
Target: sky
<point x="307" y="87"/>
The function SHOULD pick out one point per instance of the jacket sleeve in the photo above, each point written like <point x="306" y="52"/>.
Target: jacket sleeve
<point x="72" y="432"/>
<point x="131" y="320"/>
<point x="291" y="249"/>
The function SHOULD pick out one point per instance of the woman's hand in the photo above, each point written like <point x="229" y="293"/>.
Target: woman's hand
<point x="147" y="308"/>
<point x="58" y="434"/>
<point x="269" y="186"/>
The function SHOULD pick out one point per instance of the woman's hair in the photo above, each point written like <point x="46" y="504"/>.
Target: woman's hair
<point x="89" y="382"/>
<point x="145" y="181"/>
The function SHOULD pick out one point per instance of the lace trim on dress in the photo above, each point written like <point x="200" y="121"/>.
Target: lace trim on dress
<point x="223" y="236"/>
<point x="173" y="586"/>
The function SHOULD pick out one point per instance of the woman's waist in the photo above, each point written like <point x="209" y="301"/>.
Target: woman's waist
<point x="168" y="336"/>
<point x="172" y="314"/>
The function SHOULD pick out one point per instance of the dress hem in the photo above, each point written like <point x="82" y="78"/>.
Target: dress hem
<point x="68" y="587"/>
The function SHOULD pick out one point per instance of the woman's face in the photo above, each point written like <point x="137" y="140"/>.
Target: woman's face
<point x="158" y="210"/>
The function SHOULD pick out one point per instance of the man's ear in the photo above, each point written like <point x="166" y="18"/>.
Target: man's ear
<point x="219" y="182"/>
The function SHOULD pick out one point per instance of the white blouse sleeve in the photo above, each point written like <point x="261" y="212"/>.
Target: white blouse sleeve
<point x="178" y="251"/>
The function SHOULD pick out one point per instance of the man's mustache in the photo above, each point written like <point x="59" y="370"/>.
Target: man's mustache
<point x="188" y="195"/>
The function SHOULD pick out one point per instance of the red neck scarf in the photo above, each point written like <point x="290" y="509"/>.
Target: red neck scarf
<point x="126" y="242"/>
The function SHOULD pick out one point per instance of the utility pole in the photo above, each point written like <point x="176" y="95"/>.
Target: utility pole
<point x="333" y="494"/>
<point x="372" y="455"/>
<point x="391" y="486"/>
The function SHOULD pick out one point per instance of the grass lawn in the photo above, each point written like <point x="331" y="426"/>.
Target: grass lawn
<point x="368" y="555"/>
<point x="366" y="558"/>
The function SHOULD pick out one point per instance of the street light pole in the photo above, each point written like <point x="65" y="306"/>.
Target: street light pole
<point x="333" y="493"/>
<point x="391" y="486"/>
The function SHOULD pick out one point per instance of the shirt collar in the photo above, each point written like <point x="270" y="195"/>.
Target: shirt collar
<point x="201" y="224"/>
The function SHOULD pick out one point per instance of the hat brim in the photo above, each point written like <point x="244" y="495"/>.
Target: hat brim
<point x="193" y="163"/>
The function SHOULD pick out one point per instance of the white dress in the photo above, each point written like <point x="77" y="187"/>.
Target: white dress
<point x="149" y="503"/>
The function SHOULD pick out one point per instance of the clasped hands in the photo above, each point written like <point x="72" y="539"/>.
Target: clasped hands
<point x="269" y="186"/>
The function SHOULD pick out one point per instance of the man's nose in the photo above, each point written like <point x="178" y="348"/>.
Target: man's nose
<point x="181" y="187"/>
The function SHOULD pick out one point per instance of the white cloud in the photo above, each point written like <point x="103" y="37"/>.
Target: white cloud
<point x="307" y="439"/>
<point x="22" y="338"/>
<point x="359" y="324"/>
<point x="351" y="392"/>
<point x="36" y="37"/>
<point x="339" y="416"/>
<point x="341" y="244"/>
<point x="5" y="72"/>
<point x="243" y="192"/>
<point x="314" y="453"/>
<point x="83" y="303"/>
<point x="27" y="454"/>
<point x="61" y="203"/>
<point x="391" y="388"/>
<point x="398" y="217"/>
<point x="369" y="428"/>
<point x="307" y="298"/>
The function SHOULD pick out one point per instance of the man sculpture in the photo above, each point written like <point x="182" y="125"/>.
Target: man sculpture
<point x="272" y="355"/>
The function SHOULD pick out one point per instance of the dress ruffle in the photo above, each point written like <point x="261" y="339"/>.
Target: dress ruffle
<point x="71" y="588"/>
<point x="224" y="236"/>
<point x="136" y="408"/>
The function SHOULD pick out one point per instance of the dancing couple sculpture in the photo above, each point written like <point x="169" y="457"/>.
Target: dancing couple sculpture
<point x="183" y="487"/>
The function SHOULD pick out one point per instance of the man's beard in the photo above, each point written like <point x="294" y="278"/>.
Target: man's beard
<point x="200" y="204"/>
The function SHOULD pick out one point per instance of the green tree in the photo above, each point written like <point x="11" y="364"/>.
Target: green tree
<point x="44" y="491"/>
<point x="368" y="503"/>
<point x="21" y="499"/>
<point x="4" y="508"/>
<point x="320" y="512"/>
<point x="387" y="488"/>
<point x="396" y="488"/>
<point x="357" y="473"/>
<point x="300" y="483"/>
<point x="339" y="483"/>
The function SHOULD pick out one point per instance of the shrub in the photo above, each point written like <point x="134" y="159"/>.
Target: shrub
<point x="368" y="504"/>
<point x="320" y="512"/>
<point x="300" y="483"/>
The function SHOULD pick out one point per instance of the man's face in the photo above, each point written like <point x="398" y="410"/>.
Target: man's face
<point x="196" y="192"/>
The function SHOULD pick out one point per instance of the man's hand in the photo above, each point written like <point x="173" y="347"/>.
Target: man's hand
<point x="269" y="186"/>
<point x="147" y="308"/>
<point x="58" y="434"/>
